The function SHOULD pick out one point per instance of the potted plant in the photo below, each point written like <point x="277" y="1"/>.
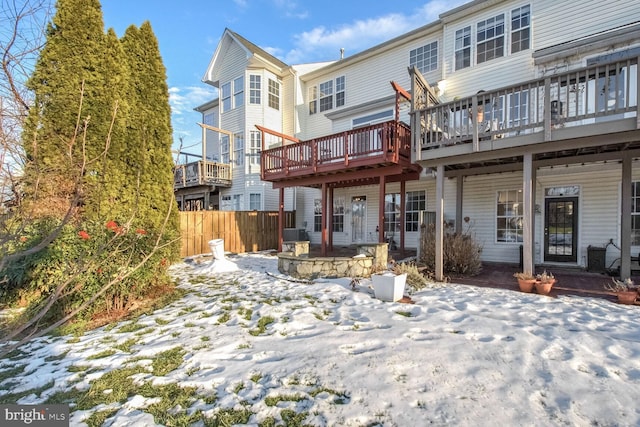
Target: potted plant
<point x="526" y="281"/>
<point x="624" y="290"/>
<point x="544" y="282"/>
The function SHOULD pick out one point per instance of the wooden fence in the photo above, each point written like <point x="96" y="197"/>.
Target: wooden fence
<point x="242" y="231"/>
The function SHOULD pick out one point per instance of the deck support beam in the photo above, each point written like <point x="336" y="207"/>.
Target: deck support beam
<point x="381" y="195"/>
<point x="625" y="229"/>
<point x="439" y="267"/>
<point x="528" y="199"/>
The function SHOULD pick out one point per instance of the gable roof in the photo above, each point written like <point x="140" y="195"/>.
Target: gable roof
<point x="256" y="56"/>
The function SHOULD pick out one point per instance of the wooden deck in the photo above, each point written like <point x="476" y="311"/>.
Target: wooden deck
<point x="359" y="156"/>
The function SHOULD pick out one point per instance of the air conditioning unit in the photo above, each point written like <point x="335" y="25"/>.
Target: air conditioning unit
<point x="294" y="234"/>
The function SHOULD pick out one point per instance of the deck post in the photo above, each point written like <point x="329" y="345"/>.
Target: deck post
<point x="528" y="197"/>
<point x="330" y="218"/>
<point x="381" y="195"/>
<point x="280" y="218"/>
<point x="323" y="220"/>
<point x="439" y="267"/>
<point x="403" y="219"/>
<point x="625" y="229"/>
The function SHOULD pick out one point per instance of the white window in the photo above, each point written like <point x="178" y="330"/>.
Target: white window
<point x="255" y="147"/>
<point x="490" y="39"/>
<point x="317" y="215"/>
<point x="224" y="149"/>
<point x="236" y="206"/>
<point x="635" y="213"/>
<point x="238" y="148"/>
<point x="520" y="28"/>
<point x="463" y="48"/>
<point x="326" y="96"/>
<point x="226" y="97"/>
<point x="340" y="91"/>
<point x="425" y="58"/>
<point x="274" y="94"/>
<point x="255" y="202"/>
<point x="238" y="92"/>
<point x="313" y="100"/>
<point x="338" y="214"/>
<point x="518" y="109"/>
<point x="509" y="210"/>
<point x="255" y="89"/>
<point x="392" y="213"/>
<point x="415" y="203"/>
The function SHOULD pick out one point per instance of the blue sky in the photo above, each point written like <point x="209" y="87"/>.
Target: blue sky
<point x="294" y="31"/>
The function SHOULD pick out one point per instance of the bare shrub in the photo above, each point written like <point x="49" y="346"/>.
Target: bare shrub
<point x="461" y="253"/>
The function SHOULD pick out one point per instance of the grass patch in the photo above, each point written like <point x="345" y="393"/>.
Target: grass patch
<point x="224" y="318"/>
<point x="256" y="377"/>
<point x="404" y="313"/>
<point x="228" y="417"/>
<point x="162" y="322"/>
<point x="12" y="398"/>
<point x="292" y="419"/>
<point x="262" y="325"/>
<point x="126" y="346"/>
<point x="58" y="357"/>
<point x="12" y="372"/>
<point x="98" y="418"/>
<point x="102" y="354"/>
<point x="274" y="400"/>
<point x="167" y="361"/>
<point x="341" y="397"/>
<point x="130" y="327"/>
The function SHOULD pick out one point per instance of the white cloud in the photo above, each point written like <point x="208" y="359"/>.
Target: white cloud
<point x="322" y="43"/>
<point x="183" y="118"/>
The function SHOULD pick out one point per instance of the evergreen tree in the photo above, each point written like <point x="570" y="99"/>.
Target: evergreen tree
<point x="150" y="133"/>
<point x="67" y="82"/>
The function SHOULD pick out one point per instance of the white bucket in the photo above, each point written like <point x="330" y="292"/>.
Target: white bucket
<point x="217" y="248"/>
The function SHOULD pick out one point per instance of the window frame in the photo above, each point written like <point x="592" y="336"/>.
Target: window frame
<point x="238" y="92"/>
<point x="238" y="149"/>
<point x="416" y="57"/>
<point x="274" y="94"/>
<point x="255" y="147"/>
<point x="325" y="95"/>
<point x="338" y="214"/>
<point x="523" y="20"/>
<point x="463" y="47"/>
<point x="392" y="216"/>
<point x="506" y="218"/>
<point x="252" y="201"/>
<point x="317" y="215"/>
<point x="224" y="149"/>
<point x="255" y="89"/>
<point x="415" y="202"/>
<point x="489" y="44"/>
<point x="225" y="97"/>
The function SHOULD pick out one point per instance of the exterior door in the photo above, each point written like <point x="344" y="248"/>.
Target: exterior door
<point x="561" y="229"/>
<point x="358" y="218"/>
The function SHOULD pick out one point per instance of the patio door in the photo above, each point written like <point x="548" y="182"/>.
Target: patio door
<point x="560" y="229"/>
<point x="358" y="218"/>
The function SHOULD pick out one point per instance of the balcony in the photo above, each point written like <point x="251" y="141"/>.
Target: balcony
<point x="359" y="154"/>
<point x="201" y="173"/>
<point x="573" y="106"/>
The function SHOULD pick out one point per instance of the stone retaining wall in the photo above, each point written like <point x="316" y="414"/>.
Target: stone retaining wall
<point x="294" y="261"/>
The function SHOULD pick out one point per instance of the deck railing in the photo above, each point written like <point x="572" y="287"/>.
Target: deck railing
<point x="388" y="142"/>
<point x="594" y="94"/>
<point x="202" y="173"/>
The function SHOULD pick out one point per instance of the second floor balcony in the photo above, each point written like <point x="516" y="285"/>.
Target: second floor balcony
<point x="601" y="99"/>
<point x="383" y="145"/>
<point x="201" y="173"/>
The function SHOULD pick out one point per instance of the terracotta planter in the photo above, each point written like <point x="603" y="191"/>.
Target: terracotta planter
<point x="544" y="288"/>
<point x="526" y="285"/>
<point x="627" y="297"/>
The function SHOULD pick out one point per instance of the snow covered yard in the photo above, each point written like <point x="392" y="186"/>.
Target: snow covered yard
<point x="246" y="347"/>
